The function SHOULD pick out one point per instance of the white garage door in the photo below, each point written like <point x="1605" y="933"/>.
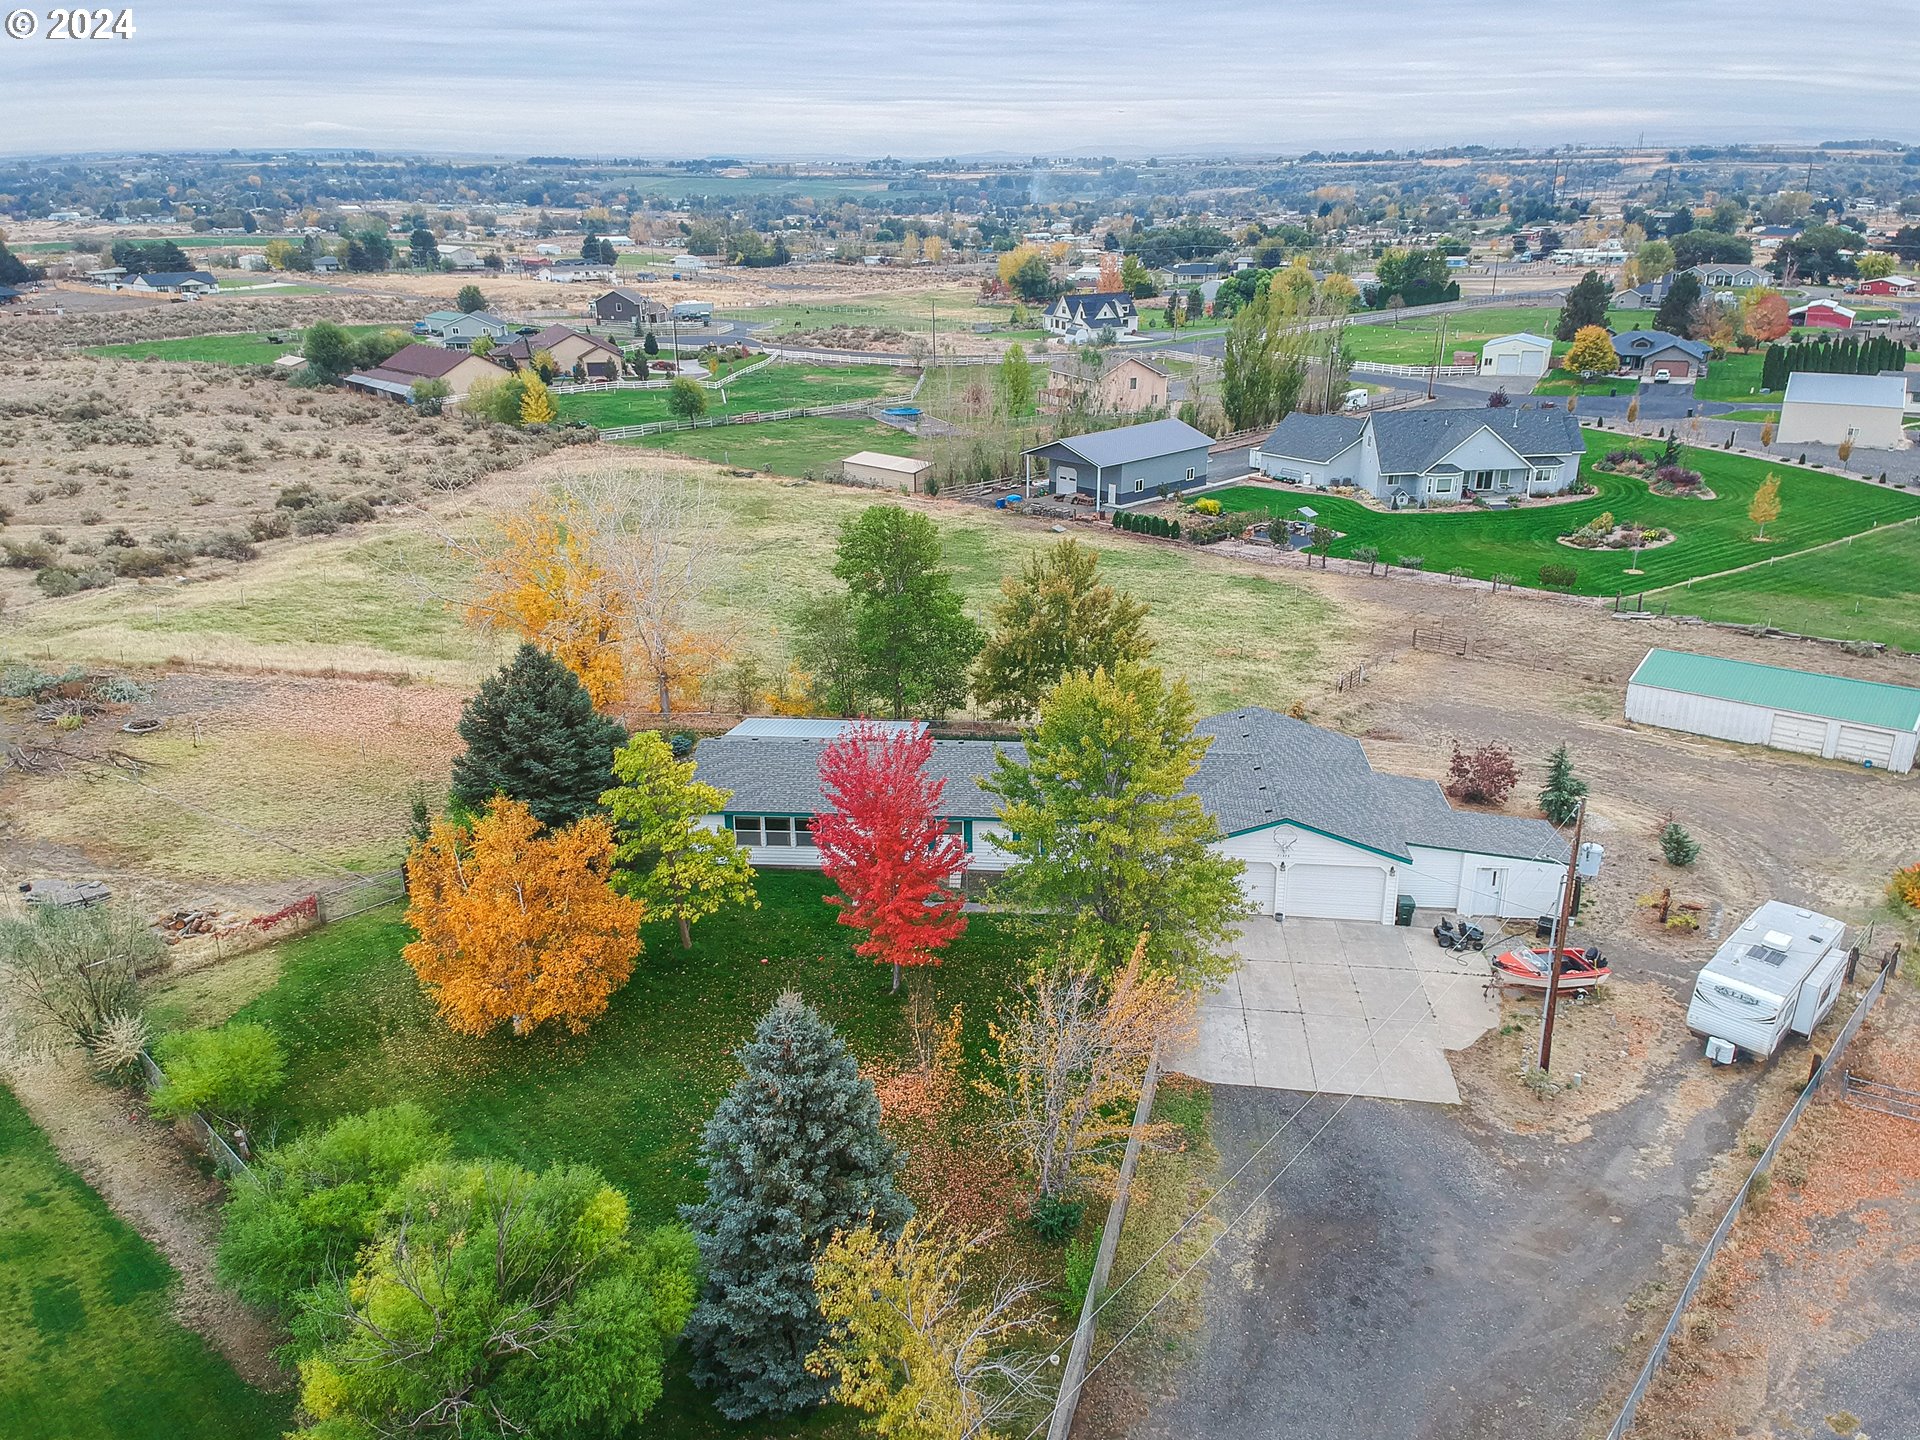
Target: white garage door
<point x="1506" y="363"/>
<point x="1336" y="892"/>
<point x="1796" y="732"/>
<point x="1256" y="882"/>
<point x="1858" y="744"/>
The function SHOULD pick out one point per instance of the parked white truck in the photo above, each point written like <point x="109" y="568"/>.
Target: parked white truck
<point x="1780" y="972"/>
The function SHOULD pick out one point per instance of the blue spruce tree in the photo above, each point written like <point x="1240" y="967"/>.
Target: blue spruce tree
<point x="794" y="1153"/>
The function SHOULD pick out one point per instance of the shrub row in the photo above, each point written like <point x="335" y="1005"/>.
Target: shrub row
<point x="1146" y="524"/>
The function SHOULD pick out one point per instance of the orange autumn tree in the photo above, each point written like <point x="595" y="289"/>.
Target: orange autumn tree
<point x="518" y="926"/>
<point x="542" y="582"/>
<point x="1110" y="282"/>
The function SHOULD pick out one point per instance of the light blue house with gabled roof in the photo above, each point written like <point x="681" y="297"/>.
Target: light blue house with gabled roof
<point x="1441" y="454"/>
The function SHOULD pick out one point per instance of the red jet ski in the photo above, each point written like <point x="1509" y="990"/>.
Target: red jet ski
<point x="1527" y="969"/>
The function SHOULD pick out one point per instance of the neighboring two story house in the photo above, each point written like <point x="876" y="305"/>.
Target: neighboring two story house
<point x="1082" y="318"/>
<point x="1720" y="276"/>
<point x="1437" y="455"/>
<point x="1122" y="385"/>
<point x="622" y="306"/>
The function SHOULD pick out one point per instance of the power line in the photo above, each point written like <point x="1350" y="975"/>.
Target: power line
<point x="1319" y="1090"/>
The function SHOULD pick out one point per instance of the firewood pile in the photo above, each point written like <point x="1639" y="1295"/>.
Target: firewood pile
<point x="187" y="924"/>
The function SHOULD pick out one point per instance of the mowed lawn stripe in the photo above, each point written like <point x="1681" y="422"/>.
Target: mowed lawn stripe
<point x="1711" y="535"/>
<point x="776" y="387"/>
<point x="89" y="1348"/>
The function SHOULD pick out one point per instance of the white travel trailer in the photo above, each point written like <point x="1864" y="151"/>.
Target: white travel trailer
<point x="1779" y="972"/>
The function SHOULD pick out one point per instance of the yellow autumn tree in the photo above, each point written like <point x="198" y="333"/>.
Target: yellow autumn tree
<point x="539" y="580"/>
<point x="1110" y="281"/>
<point x="1591" y="352"/>
<point x="536" y="401"/>
<point x="516" y="926"/>
<point x="1765" y="507"/>
<point x="1071" y="1052"/>
<point x="908" y="1343"/>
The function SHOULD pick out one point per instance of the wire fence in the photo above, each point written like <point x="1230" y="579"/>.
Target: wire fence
<point x="225" y="1158"/>
<point x="355" y="895"/>
<point x="1829" y="1068"/>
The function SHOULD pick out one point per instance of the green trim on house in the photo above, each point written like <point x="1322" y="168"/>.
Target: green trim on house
<point x="1343" y="839"/>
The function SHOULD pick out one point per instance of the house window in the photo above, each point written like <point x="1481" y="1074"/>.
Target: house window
<point x="1133" y="382"/>
<point x="746" y="829"/>
<point x="1441" y="485"/>
<point x="786" y="831"/>
<point x="778" y="828"/>
<point x="1480" y="480"/>
<point x="1189" y="472"/>
<point x="1545" y="477"/>
<point x="1139" y="484"/>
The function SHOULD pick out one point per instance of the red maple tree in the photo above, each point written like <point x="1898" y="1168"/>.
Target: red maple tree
<point x="884" y="844"/>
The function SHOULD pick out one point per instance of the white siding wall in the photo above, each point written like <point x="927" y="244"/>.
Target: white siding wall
<point x="1290" y="846"/>
<point x="1434" y="880"/>
<point x="1748" y="724"/>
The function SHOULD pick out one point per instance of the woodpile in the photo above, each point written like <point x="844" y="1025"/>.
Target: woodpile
<point x="187" y="924"/>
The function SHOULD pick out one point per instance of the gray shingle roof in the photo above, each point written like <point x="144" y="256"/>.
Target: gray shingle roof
<point x="1313" y="437"/>
<point x="1652" y="342"/>
<point x="1134" y="442"/>
<point x="1412" y="441"/>
<point x="1121" y="301"/>
<point x="1262" y="769"/>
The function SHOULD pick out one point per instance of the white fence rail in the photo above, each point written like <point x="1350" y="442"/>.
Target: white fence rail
<point x="1414" y="372"/>
<point x="591" y="387"/>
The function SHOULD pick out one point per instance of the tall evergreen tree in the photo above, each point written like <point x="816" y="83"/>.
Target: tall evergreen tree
<point x="1586" y="304"/>
<point x="1675" y="315"/>
<point x="793" y="1154"/>
<point x="1560" y="798"/>
<point x="533" y="735"/>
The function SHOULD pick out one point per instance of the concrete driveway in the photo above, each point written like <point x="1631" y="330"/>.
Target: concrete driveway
<point x="1342" y="1007"/>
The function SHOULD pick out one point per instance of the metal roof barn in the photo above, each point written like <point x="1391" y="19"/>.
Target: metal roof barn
<point x="1862" y="722"/>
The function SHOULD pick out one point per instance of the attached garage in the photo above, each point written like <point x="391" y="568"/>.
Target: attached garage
<point x="1258" y="881"/>
<point x="1861" y="722"/>
<point x="1336" y="892"/>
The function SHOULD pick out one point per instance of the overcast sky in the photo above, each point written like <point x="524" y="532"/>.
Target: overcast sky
<point x="920" y="78"/>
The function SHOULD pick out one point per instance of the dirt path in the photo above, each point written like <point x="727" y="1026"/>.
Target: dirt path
<point x="138" y="1167"/>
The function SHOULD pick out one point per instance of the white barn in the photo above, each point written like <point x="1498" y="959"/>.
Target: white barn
<point x="1521" y="354"/>
<point x="1862" y="722"/>
<point x="1826" y="409"/>
<point x="1320" y="833"/>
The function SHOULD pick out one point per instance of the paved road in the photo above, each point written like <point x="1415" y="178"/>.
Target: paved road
<point x="1411" y="1275"/>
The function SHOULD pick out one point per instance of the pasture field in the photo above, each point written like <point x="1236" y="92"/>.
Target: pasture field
<point x="1711" y="535"/>
<point x="1412" y="342"/>
<point x="257" y="348"/>
<point x="89" y="1347"/>
<point x="909" y="310"/>
<point x="810" y="445"/>
<point x="777" y="387"/>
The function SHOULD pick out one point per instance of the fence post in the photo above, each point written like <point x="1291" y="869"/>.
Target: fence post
<point x="1068" y="1400"/>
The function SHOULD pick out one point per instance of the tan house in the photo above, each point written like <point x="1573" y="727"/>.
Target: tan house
<point x="893" y="472"/>
<point x="396" y="376"/>
<point x="1124" y="385"/>
<point x="574" y="354"/>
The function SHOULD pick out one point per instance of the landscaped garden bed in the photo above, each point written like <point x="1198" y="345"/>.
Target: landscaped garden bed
<point x="1664" y="474"/>
<point x="1604" y="533"/>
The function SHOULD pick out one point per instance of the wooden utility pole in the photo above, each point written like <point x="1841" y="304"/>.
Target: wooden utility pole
<point x="1440" y="346"/>
<point x="1559" y="942"/>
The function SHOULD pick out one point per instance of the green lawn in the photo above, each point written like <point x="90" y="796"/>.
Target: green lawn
<point x="1712" y="535"/>
<point x="253" y="349"/>
<point x="1867" y="590"/>
<point x="1413" y="342"/>
<point x="776" y="387"/>
<point x="911" y="310"/>
<point x="89" y="1348"/>
<point x="1559" y="382"/>
<point x="809" y="446"/>
<point x="1755" y="416"/>
<point x="1733" y="377"/>
<point x="630" y="1095"/>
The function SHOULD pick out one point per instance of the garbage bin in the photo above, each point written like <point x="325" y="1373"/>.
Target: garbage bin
<point x="1543" y="926"/>
<point x="1403" y="911"/>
